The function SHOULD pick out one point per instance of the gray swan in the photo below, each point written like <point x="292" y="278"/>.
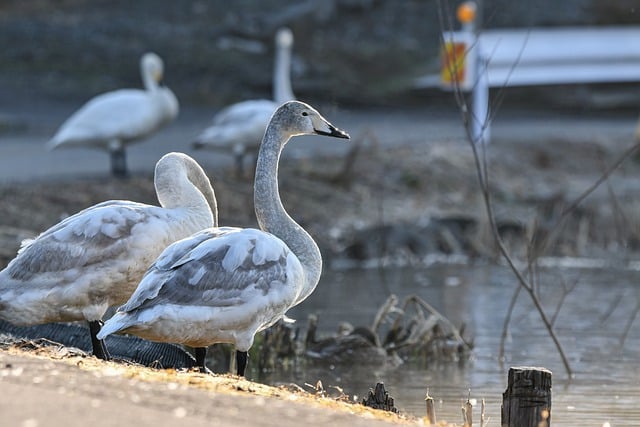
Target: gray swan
<point x="94" y="259"/>
<point x="223" y="285"/>
<point x="114" y="119"/>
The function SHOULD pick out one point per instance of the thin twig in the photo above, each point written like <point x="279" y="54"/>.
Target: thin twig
<point x="573" y="205"/>
<point x="483" y="180"/>
<point x="507" y="322"/>
<point x="627" y="327"/>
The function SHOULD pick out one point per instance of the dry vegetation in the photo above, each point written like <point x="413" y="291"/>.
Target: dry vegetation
<point x="66" y="363"/>
<point x="400" y="202"/>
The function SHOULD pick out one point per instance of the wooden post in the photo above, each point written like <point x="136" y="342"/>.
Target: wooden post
<point x="467" y="414"/>
<point x="431" y="410"/>
<point x="527" y="400"/>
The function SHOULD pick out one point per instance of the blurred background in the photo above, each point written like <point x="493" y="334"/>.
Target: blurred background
<point x="352" y="52"/>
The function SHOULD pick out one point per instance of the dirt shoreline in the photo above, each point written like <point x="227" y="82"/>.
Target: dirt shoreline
<point x="57" y="387"/>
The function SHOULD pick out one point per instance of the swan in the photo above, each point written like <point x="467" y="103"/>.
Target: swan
<point x="94" y="259"/>
<point x="239" y="127"/>
<point x="223" y="285"/>
<point x="114" y="119"/>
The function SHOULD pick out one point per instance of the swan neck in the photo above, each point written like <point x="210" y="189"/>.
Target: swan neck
<point x="273" y="218"/>
<point x="149" y="82"/>
<point x="282" y="91"/>
<point x="203" y="185"/>
<point x="181" y="185"/>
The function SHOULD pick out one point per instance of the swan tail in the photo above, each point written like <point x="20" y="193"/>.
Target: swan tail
<point x="115" y="324"/>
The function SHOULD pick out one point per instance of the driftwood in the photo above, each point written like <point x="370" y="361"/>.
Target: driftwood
<point x="413" y="329"/>
<point x="417" y="328"/>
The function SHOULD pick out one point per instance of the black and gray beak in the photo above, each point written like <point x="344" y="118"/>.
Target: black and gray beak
<point x="333" y="131"/>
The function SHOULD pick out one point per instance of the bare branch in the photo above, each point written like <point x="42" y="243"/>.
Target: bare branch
<point x="480" y="160"/>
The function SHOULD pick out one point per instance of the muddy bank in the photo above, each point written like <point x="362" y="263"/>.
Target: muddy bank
<point x="402" y="203"/>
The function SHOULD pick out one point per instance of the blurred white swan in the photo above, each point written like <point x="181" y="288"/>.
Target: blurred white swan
<point x="94" y="259"/>
<point x="114" y="119"/>
<point x="238" y="128"/>
<point x="223" y="285"/>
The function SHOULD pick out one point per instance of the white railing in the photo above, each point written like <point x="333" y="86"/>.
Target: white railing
<point x="537" y="56"/>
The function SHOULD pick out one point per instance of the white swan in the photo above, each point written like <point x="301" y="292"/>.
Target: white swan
<point x="114" y="119"/>
<point x="239" y="127"/>
<point x="94" y="259"/>
<point x="223" y="285"/>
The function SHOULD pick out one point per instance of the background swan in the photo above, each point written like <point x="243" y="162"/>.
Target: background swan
<point x="94" y="259"/>
<point x="239" y="127"/>
<point x="114" y="119"/>
<point x="223" y="285"/>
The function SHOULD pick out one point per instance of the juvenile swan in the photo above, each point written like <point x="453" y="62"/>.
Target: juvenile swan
<point x="94" y="259"/>
<point x="223" y="285"/>
<point x="239" y="128"/>
<point x="114" y="119"/>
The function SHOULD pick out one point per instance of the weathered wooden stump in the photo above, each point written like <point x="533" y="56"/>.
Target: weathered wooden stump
<point x="527" y="400"/>
<point x="379" y="399"/>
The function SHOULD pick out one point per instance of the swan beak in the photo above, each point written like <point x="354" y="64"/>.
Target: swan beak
<point x="333" y="131"/>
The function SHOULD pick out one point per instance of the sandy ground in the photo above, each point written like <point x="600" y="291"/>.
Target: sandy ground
<point x="50" y="387"/>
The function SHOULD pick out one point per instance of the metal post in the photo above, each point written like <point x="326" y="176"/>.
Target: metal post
<point x="469" y="14"/>
<point x="479" y="120"/>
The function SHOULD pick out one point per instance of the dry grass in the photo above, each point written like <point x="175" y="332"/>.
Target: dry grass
<point x="226" y="384"/>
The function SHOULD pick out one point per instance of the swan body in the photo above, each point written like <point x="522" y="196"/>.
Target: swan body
<point x="193" y="287"/>
<point x="223" y="285"/>
<point x="239" y="128"/>
<point x="94" y="259"/>
<point x="114" y="119"/>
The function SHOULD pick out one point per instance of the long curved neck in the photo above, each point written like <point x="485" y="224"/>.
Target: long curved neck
<point x="282" y="91"/>
<point x="272" y="216"/>
<point x="179" y="185"/>
<point x="202" y="184"/>
<point x="150" y="84"/>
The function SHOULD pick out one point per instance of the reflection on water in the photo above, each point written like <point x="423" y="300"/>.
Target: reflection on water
<point x="589" y="322"/>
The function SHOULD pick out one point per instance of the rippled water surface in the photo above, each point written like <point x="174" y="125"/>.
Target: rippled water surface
<point x="590" y="323"/>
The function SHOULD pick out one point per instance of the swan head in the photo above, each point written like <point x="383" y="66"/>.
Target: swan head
<point x="284" y="37"/>
<point x="298" y="118"/>
<point x="151" y="65"/>
<point x="180" y="181"/>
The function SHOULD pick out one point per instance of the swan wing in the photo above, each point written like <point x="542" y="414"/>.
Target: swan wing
<point x="242" y="111"/>
<point x="124" y="114"/>
<point x="103" y="232"/>
<point x="241" y="124"/>
<point x="221" y="267"/>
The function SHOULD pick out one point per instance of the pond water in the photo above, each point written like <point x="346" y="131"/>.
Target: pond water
<point x="590" y="323"/>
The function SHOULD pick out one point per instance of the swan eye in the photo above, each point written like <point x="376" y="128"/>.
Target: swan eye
<point x="304" y="113"/>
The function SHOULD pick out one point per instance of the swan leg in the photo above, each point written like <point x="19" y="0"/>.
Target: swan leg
<point x="99" y="348"/>
<point x="241" y="361"/>
<point x="239" y="158"/>
<point x="201" y="355"/>
<point x="119" y="162"/>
